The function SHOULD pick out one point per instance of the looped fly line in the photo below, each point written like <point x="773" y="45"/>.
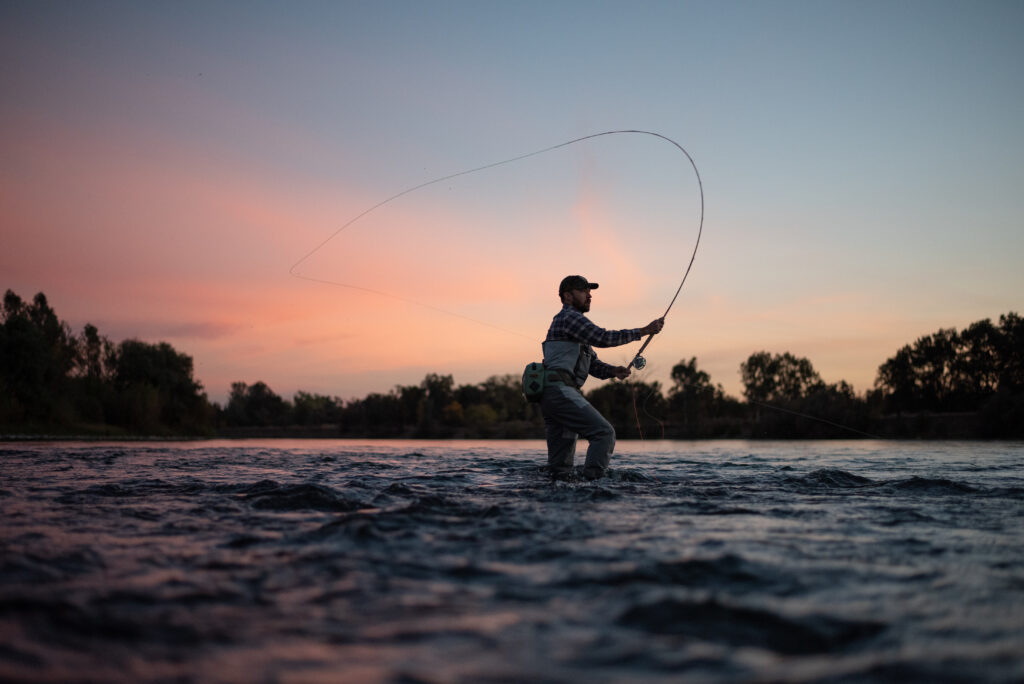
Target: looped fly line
<point x="638" y="361"/>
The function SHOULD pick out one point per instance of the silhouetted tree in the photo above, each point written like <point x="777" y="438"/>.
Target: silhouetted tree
<point x="94" y="395"/>
<point x="256" y="405"/>
<point x="439" y="394"/>
<point x="951" y="371"/>
<point x="37" y="354"/>
<point x="469" y="395"/>
<point x="693" y="400"/>
<point x="832" y="410"/>
<point x="1011" y="354"/>
<point x="376" y="415"/>
<point x="933" y="357"/>
<point x="897" y="382"/>
<point x="974" y="369"/>
<point x="504" y="394"/>
<point x="411" y="404"/>
<point x="777" y="377"/>
<point x="97" y="354"/>
<point x="316" y="409"/>
<point x="157" y="389"/>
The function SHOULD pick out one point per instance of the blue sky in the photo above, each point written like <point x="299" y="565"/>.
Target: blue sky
<point x="861" y="165"/>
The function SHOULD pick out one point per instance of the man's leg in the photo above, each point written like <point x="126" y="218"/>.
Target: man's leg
<point x="566" y="407"/>
<point x="561" y="447"/>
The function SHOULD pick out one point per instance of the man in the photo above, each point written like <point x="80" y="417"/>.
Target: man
<point x="568" y="359"/>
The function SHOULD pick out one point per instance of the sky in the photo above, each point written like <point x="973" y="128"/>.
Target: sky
<point x="189" y="172"/>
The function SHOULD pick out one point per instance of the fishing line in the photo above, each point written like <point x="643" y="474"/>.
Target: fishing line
<point x="810" y="417"/>
<point x="637" y="362"/>
<point x="650" y="415"/>
<point x="636" y="413"/>
<point x="749" y="401"/>
<point x="660" y="422"/>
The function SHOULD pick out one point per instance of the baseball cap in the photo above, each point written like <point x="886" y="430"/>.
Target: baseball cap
<point x="575" y="282"/>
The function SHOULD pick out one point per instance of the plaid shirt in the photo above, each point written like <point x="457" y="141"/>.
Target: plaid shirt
<point x="570" y="325"/>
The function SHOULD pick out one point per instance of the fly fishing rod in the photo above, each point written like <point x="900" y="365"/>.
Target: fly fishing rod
<point x="639" y="361"/>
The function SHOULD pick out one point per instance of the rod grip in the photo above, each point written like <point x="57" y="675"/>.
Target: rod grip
<point x="643" y="346"/>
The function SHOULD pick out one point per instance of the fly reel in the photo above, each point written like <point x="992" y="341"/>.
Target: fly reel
<point x="639" y="362"/>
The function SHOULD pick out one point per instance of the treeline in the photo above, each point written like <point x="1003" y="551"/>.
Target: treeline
<point x="53" y="381"/>
<point x="967" y="384"/>
<point x="434" y="408"/>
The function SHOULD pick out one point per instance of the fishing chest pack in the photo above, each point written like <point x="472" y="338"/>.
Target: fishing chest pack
<point x="533" y="381"/>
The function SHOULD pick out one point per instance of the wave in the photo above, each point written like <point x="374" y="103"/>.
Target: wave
<point x="829" y="478"/>
<point x="927" y="485"/>
<point x="713" y="621"/>
<point x="729" y="571"/>
<point x="38" y="566"/>
<point x="269" y="495"/>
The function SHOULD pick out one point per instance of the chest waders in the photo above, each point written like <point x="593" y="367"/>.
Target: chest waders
<point x="568" y="362"/>
<point x="567" y="414"/>
<point x="565" y="363"/>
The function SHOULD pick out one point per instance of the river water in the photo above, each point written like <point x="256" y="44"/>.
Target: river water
<point x="401" y="561"/>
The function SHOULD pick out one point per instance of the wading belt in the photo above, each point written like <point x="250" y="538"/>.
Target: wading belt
<point x="558" y="376"/>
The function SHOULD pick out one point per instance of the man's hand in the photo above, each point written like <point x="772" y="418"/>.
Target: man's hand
<point x="654" y="327"/>
<point x="622" y="372"/>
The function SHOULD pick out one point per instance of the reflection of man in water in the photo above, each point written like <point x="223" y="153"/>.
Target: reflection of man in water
<point x="569" y="358"/>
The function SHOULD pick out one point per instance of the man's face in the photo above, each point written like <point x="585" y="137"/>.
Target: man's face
<point x="579" y="300"/>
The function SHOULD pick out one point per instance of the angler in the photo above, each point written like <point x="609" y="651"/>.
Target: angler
<point x="569" y="358"/>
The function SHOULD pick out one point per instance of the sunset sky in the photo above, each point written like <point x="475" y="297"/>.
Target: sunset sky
<point x="165" y="164"/>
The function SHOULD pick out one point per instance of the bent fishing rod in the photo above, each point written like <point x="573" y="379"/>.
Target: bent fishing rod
<point x="639" y="361"/>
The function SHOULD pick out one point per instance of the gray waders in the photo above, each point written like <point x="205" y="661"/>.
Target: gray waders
<point x="568" y="416"/>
